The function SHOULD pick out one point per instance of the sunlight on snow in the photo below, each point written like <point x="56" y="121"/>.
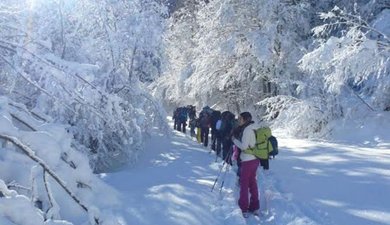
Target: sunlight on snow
<point x="373" y="215"/>
<point x="311" y="171"/>
<point x="198" y="170"/>
<point x="204" y="182"/>
<point x="324" y="159"/>
<point x="169" y="156"/>
<point x="332" y="202"/>
<point x="167" y="159"/>
<point x="368" y="171"/>
<point x="180" y="144"/>
<point x="161" y="163"/>
<point x="354" y="173"/>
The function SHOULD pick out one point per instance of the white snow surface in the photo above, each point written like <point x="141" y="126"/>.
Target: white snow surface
<point x="310" y="182"/>
<point x="339" y="182"/>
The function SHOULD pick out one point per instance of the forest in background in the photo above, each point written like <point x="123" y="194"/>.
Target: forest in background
<point x="102" y="68"/>
<point x="298" y="64"/>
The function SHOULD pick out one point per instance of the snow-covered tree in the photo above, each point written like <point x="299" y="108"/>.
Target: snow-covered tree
<point x="81" y="62"/>
<point x="352" y="67"/>
<point x="179" y="45"/>
<point x="344" y="75"/>
<point x="243" y="53"/>
<point x="247" y="55"/>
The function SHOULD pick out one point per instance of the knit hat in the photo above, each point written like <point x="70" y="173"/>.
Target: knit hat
<point x="246" y="116"/>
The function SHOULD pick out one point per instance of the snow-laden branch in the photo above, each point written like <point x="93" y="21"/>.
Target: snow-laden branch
<point x="21" y="121"/>
<point x="351" y="20"/>
<point x="52" y="211"/>
<point x="13" y="47"/>
<point x="25" y="77"/>
<point x="75" y="97"/>
<point x="13" y="184"/>
<point x="31" y="154"/>
<point x="64" y="155"/>
<point x="23" y="108"/>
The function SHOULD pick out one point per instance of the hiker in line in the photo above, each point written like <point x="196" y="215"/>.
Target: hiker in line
<point x="228" y="124"/>
<point x="249" y="164"/>
<point x="218" y="137"/>
<point x="198" y="130"/>
<point x="237" y="133"/>
<point x="215" y="116"/>
<point x="192" y="117"/>
<point x="204" y="122"/>
<point x="175" y="118"/>
<point x="181" y="119"/>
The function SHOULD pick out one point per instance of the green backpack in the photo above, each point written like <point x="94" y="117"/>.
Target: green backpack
<point x="263" y="146"/>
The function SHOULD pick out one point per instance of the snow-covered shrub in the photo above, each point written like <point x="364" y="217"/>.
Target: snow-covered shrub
<point x="293" y="116"/>
<point x="270" y="108"/>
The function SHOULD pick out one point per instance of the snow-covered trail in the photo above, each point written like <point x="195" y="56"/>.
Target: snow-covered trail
<point x="309" y="183"/>
<point x="170" y="184"/>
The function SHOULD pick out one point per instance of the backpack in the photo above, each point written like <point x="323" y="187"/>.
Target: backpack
<point x="226" y="127"/>
<point x="226" y="119"/>
<point x="192" y="112"/>
<point x="204" y="119"/>
<point x="182" y="115"/>
<point x="274" y="144"/>
<point x="266" y="144"/>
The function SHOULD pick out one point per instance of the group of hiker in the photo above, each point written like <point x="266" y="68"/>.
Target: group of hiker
<point x="221" y="125"/>
<point x="233" y="139"/>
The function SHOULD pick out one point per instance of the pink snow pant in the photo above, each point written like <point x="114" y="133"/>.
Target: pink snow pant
<point x="248" y="184"/>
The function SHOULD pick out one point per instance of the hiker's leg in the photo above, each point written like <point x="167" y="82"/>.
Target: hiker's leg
<point x="243" y="201"/>
<point x="254" y="203"/>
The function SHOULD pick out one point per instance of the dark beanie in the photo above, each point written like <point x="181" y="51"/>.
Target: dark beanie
<point x="246" y="116"/>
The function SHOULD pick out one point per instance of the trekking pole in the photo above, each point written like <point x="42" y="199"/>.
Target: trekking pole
<point x="220" y="171"/>
<point x="227" y="169"/>
<point x="223" y="178"/>
<point x="219" y="174"/>
<point x="216" y="179"/>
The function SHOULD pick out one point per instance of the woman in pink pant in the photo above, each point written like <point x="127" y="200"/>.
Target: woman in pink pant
<point x="249" y="194"/>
